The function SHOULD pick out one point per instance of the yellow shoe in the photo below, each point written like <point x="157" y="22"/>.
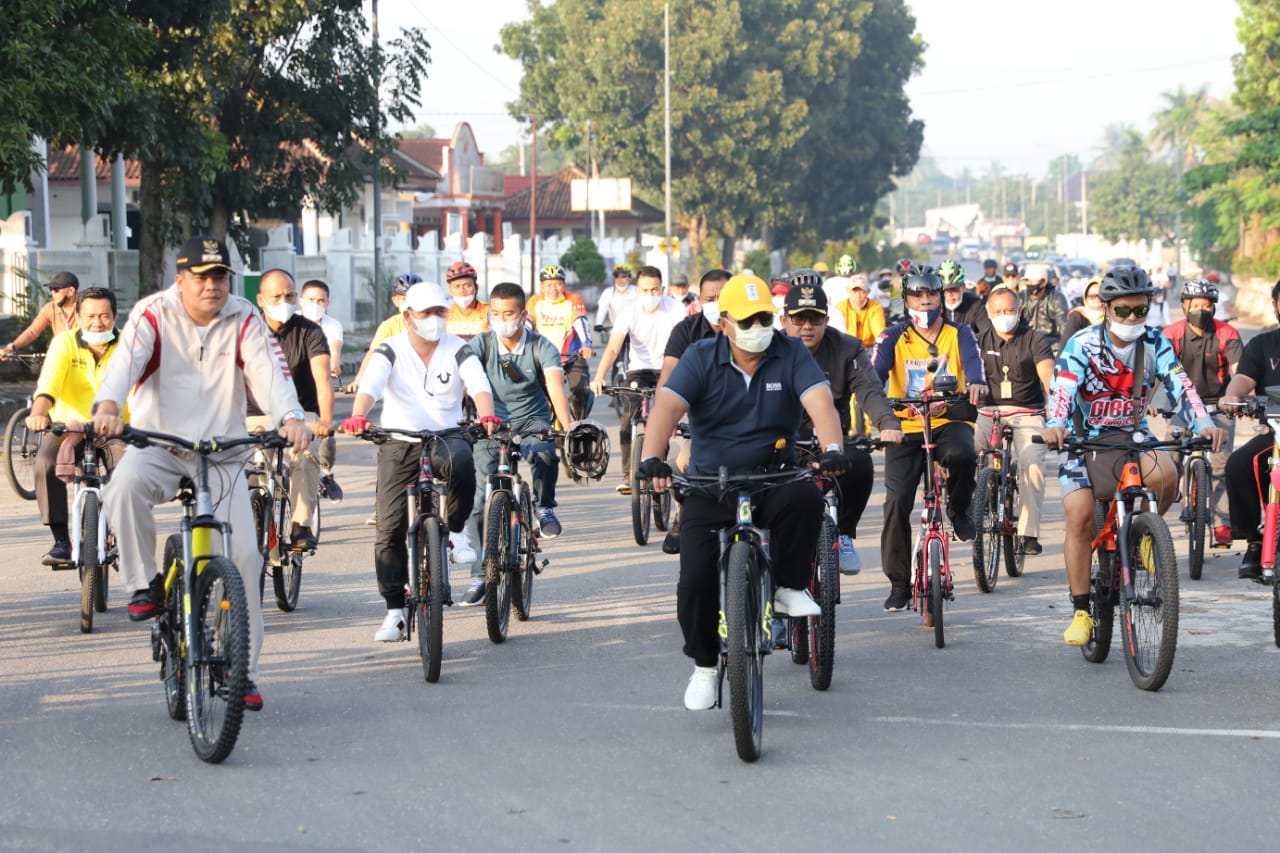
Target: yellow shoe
<point x="1080" y="630"/>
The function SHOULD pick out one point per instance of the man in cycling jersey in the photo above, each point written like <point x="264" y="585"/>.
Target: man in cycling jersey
<point x="1101" y="387"/>
<point x="561" y="317"/>
<point x="58" y="314"/>
<point x="468" y="316"/>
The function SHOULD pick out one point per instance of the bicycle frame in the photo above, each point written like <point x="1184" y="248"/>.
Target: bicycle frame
<point x="745" y="530"/>
<point x="932" y="526"/>
<point x="1271" y="516"/>
<point x="88" y="482"/>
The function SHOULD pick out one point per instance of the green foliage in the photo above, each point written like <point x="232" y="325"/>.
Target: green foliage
<point x="757" y="260"/>
<point x="1258" y="28"/>
<point x="584" y="259"/>
<point x="1137" y="199"/>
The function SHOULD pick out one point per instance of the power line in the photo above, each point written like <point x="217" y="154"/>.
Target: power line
<point x="464" y="53"/>
<point x="1023" y="84"/>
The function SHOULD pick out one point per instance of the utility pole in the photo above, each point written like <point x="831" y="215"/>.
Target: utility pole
<point x="666" y="97"/>
<point x="1177" y="214"/>
<point x="591" y="222"/>
<point x="378" y="299"/>
<point x="533" y="212"/>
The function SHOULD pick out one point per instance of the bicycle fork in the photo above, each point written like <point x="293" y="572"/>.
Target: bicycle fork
<point x="1272" y="517"/>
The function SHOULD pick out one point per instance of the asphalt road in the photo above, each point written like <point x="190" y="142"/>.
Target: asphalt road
<point x="572" y="735"/>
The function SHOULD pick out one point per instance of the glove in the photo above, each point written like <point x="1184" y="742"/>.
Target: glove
<point x="833" y="462"/>
<point x="355" y="425"/>
<point x="653" y="467"/>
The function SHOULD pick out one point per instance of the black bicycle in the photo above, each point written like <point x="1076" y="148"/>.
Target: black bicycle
<point x="268" y="474"/>
<point x="995" y="502"/>
<point x="1197" y="490"/>
<point x="20" y="443"/>
<point x="646" y="505"/>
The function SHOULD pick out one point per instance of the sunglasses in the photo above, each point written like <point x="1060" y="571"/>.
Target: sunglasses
<point x="765" y="320"/>
<point x="918" y="293"/>
<point x="1125" y="311"/>
<point x="808" y="319"/>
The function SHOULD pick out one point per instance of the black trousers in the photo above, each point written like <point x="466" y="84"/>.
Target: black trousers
<point x="1247" y="486"/>
<point x="855" y="490"/>
<point x="630" y="404"/>
<point x="397" y="468"/>
<point x="793" y="515"/>
<point x="578" y="377"/>
<point x="903" y="468"/>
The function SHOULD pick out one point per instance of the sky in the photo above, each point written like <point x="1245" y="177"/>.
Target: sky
<point x="1010" y="80"/>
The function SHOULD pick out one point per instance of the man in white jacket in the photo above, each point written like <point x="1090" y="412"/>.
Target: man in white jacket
<point x="188" y="354"/>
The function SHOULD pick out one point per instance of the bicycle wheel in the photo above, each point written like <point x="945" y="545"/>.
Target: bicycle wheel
<point x="218" y="670"/>
<point x="165" y="639"/>
<point x="1275" y="611"/>
<point x="1198" y="514"/>
<point x="743" y="616"/>
<point x="986" y="521"/>
<point x="526" y="560"/>
<point x="499" y="565"/>
<point x="641" y="497"/>
<point x="89" y="570"/>
<point x="1101" y="594"/>
<point x="1150" y="612"/>
<point x="825" y="586"/>
<point x="433" y="556"/>
<point x="1014" y="558"/>
<point x="20" y="446"/>
<point x="937" y="592"/>
<point x="798" y="630"/>
<point x="286" y="576"/>
<point x="111" y="558"/>
<point x="263" y="534"/>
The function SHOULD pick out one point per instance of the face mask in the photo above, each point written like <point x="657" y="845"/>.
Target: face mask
<point x="651" y="303"/>
<point x="711" y="313"/>
<point x="953" y="301"/>
<point x="95" y="338"/>
<point x="280" y="312"/>
<point x="313" y="311"/>
<point x="925" y="319"/>
<point x="1124" y="331"/>
<point x="505" y="328"/>
<point x="779" y="302"/>
<point x="464" y="301"/>
<point x="1005" y="323"/>
<point x="754" y="339"/>
<point x="1202" y="319"/>
<point x="429" y="329"/>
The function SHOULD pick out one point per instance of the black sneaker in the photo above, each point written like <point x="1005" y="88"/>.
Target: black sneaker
<point x="330" y="489"/>
<point x="671" y="544"/>
<point x="59" y="554"/>
<point x="252" y="697"/>
<point x="1251" y="566"/>
<point x="475" y="594"/>
<point x="898" y="600"/>
<point x="963" y="527"/>
<point x="143" y="606"/>
<point x="1031" y="546"/>
<point x="302" y="537"/>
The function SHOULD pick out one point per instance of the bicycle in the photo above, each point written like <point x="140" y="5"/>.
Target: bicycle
<point x="1268" y="410"/>
<point x="511" y="549"/>
<point x="1197" y="490"/>
<point x="1143" y="582"/>
<point x="428" y="544"/>
<point x="201" y="637"/>
<point x="93" y="550"/>
<point x="746" y="599"/>
<point x="931" y="579"/>
<point x="995" y="503"/>
<point x="268" y="474"/>
<point x="20" y="443"/>
<point x="645" y="503"/>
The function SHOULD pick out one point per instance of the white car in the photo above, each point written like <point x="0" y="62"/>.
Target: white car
<point x="970" y="249"/>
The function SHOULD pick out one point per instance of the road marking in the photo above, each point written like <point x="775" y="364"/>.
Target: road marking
<point x="1265" y="734"/>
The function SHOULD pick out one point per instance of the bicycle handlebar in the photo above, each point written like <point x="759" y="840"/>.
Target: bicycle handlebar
<point x="1076" y="442"/>
<point x="628" y="389"/>
<point x="997" y="414"/>
<point x="379" y="434"/>
<point x="143" y="438"/>
<point x="749" y="482"/>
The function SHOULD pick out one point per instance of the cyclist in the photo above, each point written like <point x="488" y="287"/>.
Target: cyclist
<point x="847" y="367"/>
<point x="837" y="286"/>
<point x="959" y="305"/>
<point x="1096" y="392"/>
<point x="468" y="316"/>
<point x="858" y="315"/>
<point x="1011" y="275"/>
<point x="614" y="300"/>
<point x="1209" y="349"/>
<point x="70" y="376"/>
<point x="393" y="325"/>
<point x="306" y="353"/>
<point x="904" y="356"/>
<point x="420" y="375"/>
<point x="315" y="307"/>
<point x="989" y="279"/>
<point x="1089" y="312"/>
<point x="648" y="322"/>
<point x="518" y="361"/>
<point x="737" y="423"/>
<point x="1018" y="363"/>
<point x="58" y="314"/>
<point x="189" y="354"/>
<point x="561" y="317"/>
<point x="1044" y="308"/>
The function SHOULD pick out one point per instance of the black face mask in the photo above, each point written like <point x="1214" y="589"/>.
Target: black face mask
<point x="1202" y="319"/>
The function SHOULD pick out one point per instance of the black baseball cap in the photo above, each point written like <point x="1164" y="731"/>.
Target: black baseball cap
<point x="203" y="253"/>
<point x="989" y="263"/>
<point x="64" y="279"/>
<point x="805" y="299"/>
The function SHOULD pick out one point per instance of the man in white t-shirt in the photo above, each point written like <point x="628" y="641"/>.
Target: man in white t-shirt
<point x="648" y="323"/>
<point x="420" y="375"/>
<point x="615" y="300"/>
<point x="314" y="300"/>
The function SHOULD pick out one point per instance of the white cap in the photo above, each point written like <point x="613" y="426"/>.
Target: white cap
<point x="425" y="295"/>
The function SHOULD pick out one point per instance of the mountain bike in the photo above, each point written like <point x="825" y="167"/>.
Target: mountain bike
<point x="428" y="543"/>
<point x="1197" y="491"/>
<point x="995" y="502"/>
<point x="20" y="443"/>
<point x="1133" y="567"/>
<point x="1267" y="409"/>
<point x="268" y="473"/>
<point x="511" y="549"/>
<point x="201" y="637"/>
<point x="93" y="549"/>
<point x="746" y="599"/>
<point x="645" y="503"/>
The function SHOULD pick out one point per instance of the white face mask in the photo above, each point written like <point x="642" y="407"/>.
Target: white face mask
<point x="313" y="311"/>
<point x="651" y="303"/>
<point x="779" y="302"/>
<point x="280" y="312"/>
<point x="711" y="312"/>
<point x="754" y="339"/>
<point x="464" y="301"/>
<point x="429" y="329"/>
<point x="1005" y="323"/>
<point x="95" y="338"/>
<point x="1124" y="331"/>
<point x="505" y="328"/>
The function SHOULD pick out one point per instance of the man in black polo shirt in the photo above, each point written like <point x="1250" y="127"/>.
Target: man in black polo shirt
<point x="307" y="353"/>
<point x="743" y="390"/>
<point x="1019" y="365"/>
<point x="848" y="369"/>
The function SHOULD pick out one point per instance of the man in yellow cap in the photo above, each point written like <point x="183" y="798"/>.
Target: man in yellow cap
<point x="743" y="390"/>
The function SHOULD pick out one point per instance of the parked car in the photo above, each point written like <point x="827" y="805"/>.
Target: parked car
<point x="970" y="249"/>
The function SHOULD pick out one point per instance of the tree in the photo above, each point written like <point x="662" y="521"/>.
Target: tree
<point x="1176" y="124"/>
<point x="421" y="131"/>
<point x="584" y="259"/>
<point x="1136" y="199"/>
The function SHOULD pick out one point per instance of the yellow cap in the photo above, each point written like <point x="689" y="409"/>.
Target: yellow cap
<point x="821" y="266"/>
<point x="745" y="296"/>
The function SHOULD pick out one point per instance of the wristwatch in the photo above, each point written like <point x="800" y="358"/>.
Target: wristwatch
<point x="294" y="415"/>
<point x="832" y="448"/>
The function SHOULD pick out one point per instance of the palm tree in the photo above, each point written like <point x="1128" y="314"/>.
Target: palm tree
<point x="1175" y="125"/>
<point x="1116" y="139"/>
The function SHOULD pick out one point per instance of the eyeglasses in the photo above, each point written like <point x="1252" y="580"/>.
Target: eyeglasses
<point x="1125" y="311"/>
<point x="761" y="319"/>
<point x="809" y="319"/>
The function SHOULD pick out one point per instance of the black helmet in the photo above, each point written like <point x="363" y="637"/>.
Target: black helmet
<point x="989" y="262"/>
<point x="586" y="447"/>
<point x="404" y="282"/>
<point x="1199" y="287"/>
<point x="1125" y="281"/>
<point x="922" y="278"/>
<point x="804" y="277"/>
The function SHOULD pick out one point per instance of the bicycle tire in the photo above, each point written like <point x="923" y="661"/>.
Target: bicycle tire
<point x="20" y="446"/>
<point x="433" y="556"/>
<point x="1198" y="503"/>
<point x="798" y="639"/>
<point x="662" y="511"/>
<point x="1275" y="612"/>
<point x="1014" y="558"/>
<point x="937" y="593"/>
<point x="640" y="507"/>
<point x="1150" y="617"/>
<point x="166" y="640"/>
<point x="218" y="673"/>
<point x="527" y="557"/>
<point x="744" y="615"/>
<point x="111" y="557"/>
<point x="286" y="576"/>
<point x="262" y="532"/>
<point x="499" y="565"/>
<point x="89" y="569"/>
<point x="825" y="586"/>
<point x="1101" y="594"/>
<point x="985" y="514"/>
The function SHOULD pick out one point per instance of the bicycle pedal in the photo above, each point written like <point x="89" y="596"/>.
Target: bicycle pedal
<point x="63" y="567"/>
<point x="537" y="568"/>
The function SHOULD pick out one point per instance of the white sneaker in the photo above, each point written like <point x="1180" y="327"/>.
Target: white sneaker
<point x="795" y="602"/>
<point x="460" y="548"/>
<point x="700" y="695"/>
<point x="850" y="562"/>
<point x="392" y="629"/>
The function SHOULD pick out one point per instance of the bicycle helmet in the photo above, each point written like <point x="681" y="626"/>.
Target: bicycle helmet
<point x="586" y="448"/>
<point x="460" y="269"/>
<point x="1125" y="281"/>
<point x="846" y="265"/>
<point x="1199" y="287"/>
<point x="904" y="267"/>
<point x="951" y="274"/>
<point x="922" y="278"/>
<point x="807" y="277"/>
<point x="551" y="271"/>
<point x="404" y="282"/>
